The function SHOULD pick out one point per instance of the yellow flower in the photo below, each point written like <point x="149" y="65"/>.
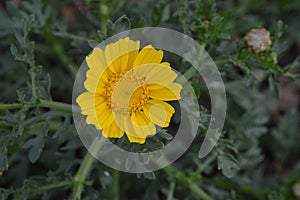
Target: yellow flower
<point x="127" y="89"/>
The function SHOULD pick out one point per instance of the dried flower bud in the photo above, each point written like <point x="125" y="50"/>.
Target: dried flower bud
<point x="259" y="39"/>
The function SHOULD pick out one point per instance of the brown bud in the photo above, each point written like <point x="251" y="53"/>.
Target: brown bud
<point x="259" y="39"/>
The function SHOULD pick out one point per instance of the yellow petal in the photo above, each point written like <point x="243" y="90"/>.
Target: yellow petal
<point x="112" y="131"/>
<point x="96" y="60"/>
<point x="156" y="73"/>
<point x="159" y="112"/>
<point x="137" y="133"/>
<point x="148" y="55"/>
<point x="93" y="80"/>
<point x="128" y="126"/>
<point x="167" y="93"/>
<point x="166" y="64"/>
<point x="136" y="139"/>
<point x="119" y="120"/>
<point x="142" y="126"/>
<point x="104" y="115"/>
<point x="86" y="101"/>
<point x="88" y="107"/>
<point x="98" y="66"/>
<point x="93" y="119"/>
<point x="140" y="118"/>
<point x="119" y="55"/>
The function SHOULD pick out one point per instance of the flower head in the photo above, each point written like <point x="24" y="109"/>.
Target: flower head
<point x="127" y="89"/>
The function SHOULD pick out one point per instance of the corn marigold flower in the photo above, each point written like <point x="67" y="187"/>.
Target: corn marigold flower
<point x="127" y="89"/>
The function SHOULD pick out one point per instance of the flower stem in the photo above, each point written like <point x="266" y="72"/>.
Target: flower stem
<point x="32" y="76"/>
<point x="56" y="105"/>
<point x="171" y="190"/>
<point x="10" y="106"/>
<point x="84" y="169"/>
<point x="81" y="175"/>
<point x="180" y="177"/>
<point x="188" y="74"/>
<point x="42" y="103"/>
<point x="115" y="185"/>
<point x="53" y="186"/>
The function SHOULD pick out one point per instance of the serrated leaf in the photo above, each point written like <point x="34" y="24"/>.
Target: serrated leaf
<point x="36" y="144"/>
<point x="228" y="166"/>
<point x="62" y="131"/>
<point x="122" y="24"/>
<point x="20" y="39"/>
<point x="9" y="118"/>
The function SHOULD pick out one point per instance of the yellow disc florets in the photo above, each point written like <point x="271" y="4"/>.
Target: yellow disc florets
<point x="130" y="91"/>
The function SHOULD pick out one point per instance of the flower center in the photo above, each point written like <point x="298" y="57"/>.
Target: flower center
<point x="126" y="92"/>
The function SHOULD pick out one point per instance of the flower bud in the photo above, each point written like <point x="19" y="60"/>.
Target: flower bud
<point x="259" y="40"/>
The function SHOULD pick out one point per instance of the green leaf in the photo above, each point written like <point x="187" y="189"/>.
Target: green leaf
<point x="62" y="132"/>
<point x="164" y="134"/>
<point x="228" y="166"/>
<point x="240" y="63"/>
<point x="274" y="86"/>
<point x="3" y="158"/>
<point x="36" y="144"/>
<point x="13" y="50"/>
<point x="93" y="43"/>
<point x="149" y="175"/>
<point x="256" y="131"/>
<point x="34" y="153"/>
<point x="120" y="25"/>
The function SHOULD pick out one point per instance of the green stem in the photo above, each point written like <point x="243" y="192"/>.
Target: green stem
<point x="207" y="163"/>
<point x="84" y="169"/>
<point x="171" y="191"/>
<point x="32" y="76"/>
<point x="222" y="61"/>
<point x="188" y="74"/>
<point x="56" y="105"/>
<point x="69" y="36"/>
<point x="81" y="175"/>
<point x="180" y="177"/>
<point x="43" y="103"/>
<point x="53" y="186"/>
<point x="197" y="190"/>
<point x="10" y="106"/>
<point x="115" y="185"/>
